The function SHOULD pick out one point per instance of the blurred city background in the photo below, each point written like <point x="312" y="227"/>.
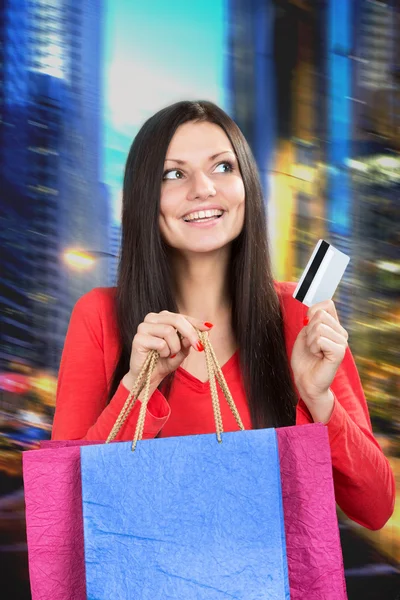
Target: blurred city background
<point x="315" y="88"/>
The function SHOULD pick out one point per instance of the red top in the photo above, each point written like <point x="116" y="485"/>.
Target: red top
<point x="364" y="482"/>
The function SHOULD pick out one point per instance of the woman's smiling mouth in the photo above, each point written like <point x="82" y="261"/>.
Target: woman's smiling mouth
<point x="203" y="216"/>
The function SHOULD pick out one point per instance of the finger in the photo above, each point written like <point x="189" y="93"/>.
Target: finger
<point x="327" y="305"/>
<point x="202" y="326"/>
<point x="329" y="349"/>
<point x="166" y="332"/>
<point x="323" y="317"/>
<point x="196" y="323"/>
<point x="155" y="318"/>
<point x="144" y="343"/>
<point x="185" y="326"/>
<point x="324" y="330"/>
<point x="186" y="344"/>
<point x="185" y="348"/>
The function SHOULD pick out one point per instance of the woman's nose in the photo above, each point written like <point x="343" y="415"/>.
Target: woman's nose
<point x="201" y="187"/>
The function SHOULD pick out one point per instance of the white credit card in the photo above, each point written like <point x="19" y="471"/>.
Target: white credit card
<point x="322" y="274"/>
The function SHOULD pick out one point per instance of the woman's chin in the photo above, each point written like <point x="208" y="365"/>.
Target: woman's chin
<point x="200" y="247"/>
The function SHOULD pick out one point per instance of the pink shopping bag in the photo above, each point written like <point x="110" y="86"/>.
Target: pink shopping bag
<point x="54" y="525"/>
<point x="314" y="554"/>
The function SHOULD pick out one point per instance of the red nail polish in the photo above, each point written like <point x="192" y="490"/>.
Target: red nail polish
<point x="306" y="321"/>
<point x="209" y="325"/>
<point x="200" y="347"/>
<point x="172" y="355"/>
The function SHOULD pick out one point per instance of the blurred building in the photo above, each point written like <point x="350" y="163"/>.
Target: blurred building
<point x="250" y="79"/>
<point x="115" y="242"/>
<point x="16" y="326"/>
<point x="331" y="71"/>
<point x="377" y="75"/>
<point x="309" y="61"/>
<point x="67" y="50"/>
<point x="306" y="174"/>
<point x="58" y="168"/>
<point x="377" y="66"/>
<point x="255" y="87"/>
<point x="375" y="175"/>
<point x="274" y="87"/>
<point x="339" y="20"/>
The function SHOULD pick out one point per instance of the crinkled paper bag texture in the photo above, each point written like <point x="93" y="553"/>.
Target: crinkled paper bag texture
<point x="185" y="518"/>
<point x="54" y="526"/>
<point x="314" y="554"/>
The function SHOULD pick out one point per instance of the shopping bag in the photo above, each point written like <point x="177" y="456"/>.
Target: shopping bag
<point x="314" y="553"/>
<point x="57" y="570"/>
<point x="180" y="520"/>
<point x="54" y="526"/>
<point x="186" y="517"/>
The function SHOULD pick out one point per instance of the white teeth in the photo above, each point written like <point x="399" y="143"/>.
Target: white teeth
<point x="203" y="214"/>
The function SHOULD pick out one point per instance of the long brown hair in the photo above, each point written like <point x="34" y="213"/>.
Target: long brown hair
<point x="145" y="281"/>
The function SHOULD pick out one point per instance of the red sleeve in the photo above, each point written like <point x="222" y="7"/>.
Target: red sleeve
<point x="82" y="412"/>
<point x="364" y="482"/>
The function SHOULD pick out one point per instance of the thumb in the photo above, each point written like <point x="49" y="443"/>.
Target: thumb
<point x="302" y="333"/>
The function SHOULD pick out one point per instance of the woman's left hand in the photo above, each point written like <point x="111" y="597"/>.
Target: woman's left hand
<point x="317" y="354"/>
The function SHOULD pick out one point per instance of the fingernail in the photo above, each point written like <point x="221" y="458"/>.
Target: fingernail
<point x="306" y="321"/>
<point x="172" y="355"/>
<point x="200" y="347"/>
<point x="209" y="325"/>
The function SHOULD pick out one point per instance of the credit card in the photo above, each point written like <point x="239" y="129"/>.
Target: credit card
<point x="322" y="274"/>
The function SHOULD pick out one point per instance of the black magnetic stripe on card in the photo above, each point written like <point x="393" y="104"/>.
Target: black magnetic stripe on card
<point x="312" y="271"/>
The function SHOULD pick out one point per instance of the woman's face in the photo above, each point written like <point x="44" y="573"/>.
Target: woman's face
<point x="202" y="192"/>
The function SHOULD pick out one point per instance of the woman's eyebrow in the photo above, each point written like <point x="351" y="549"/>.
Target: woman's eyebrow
<point x="213" y="157"/>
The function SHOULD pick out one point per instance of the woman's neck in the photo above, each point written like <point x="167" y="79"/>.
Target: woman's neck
<point x="202" y="285"/>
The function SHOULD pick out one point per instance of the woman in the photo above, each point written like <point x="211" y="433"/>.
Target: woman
<point x="194" y="255"/>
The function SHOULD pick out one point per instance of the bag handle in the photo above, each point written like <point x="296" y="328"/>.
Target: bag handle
<point x="214" y="372"/>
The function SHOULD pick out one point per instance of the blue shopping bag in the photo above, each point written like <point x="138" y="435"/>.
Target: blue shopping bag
<point x="185" y="518"/>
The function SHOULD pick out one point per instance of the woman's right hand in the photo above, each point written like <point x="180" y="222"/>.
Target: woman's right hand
<point x="159" y="331"/>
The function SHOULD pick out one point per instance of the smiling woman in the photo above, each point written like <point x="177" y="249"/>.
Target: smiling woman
<point x="190" y="157"/>
<point x="195" y="257"/>
<point x="204" y="193"/>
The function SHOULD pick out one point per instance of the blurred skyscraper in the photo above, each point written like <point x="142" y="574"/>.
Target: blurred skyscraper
<point x="254" y="81"/>
<point x="56" y="172"/>
<point x="16" y="327"/>
<point x="273" y="80"/>
<point x="377" y="75"/>
<point x="250" y="80"/>
<point x="115" y="241"/>
<point x="375" y="172"/>
<point x="302" y="89"/>
<point x="339" y="23"/>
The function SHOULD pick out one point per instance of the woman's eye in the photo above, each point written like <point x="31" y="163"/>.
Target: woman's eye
<point x="173" y="174"/>
<point x="224" y="167"/>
